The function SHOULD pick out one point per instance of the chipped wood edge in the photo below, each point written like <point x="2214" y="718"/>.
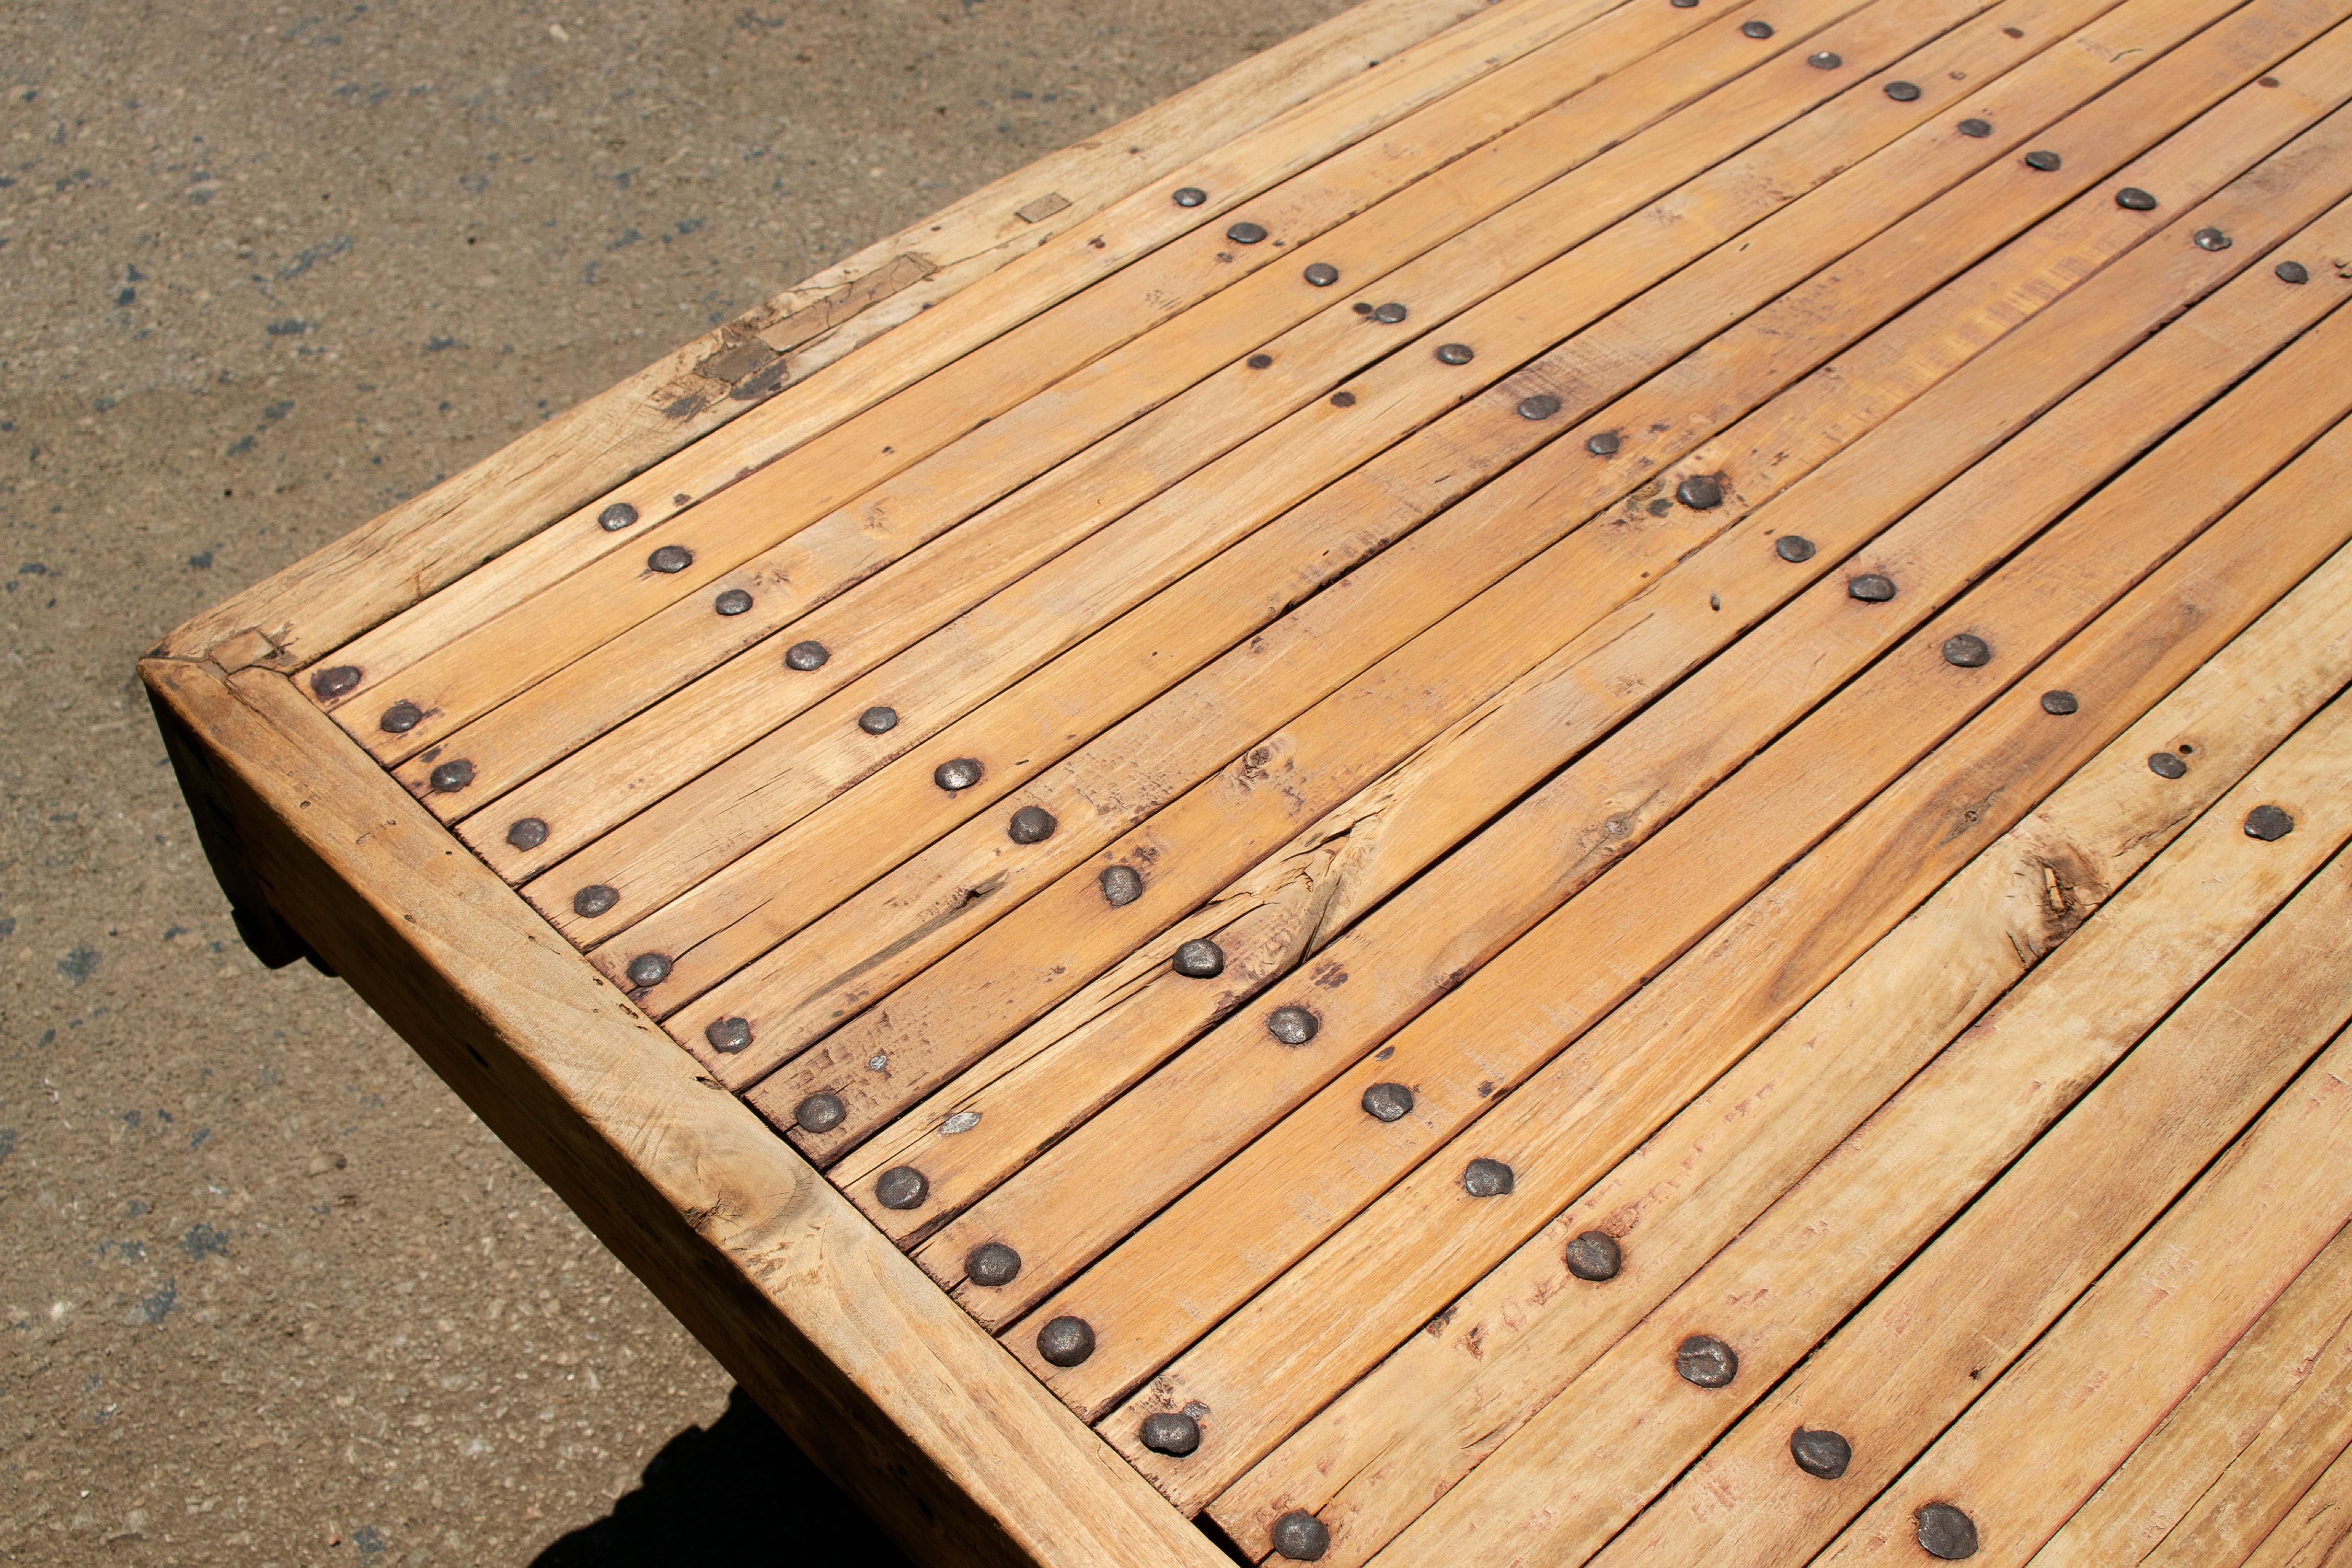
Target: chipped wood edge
<point x="405" y="554"/>
<point x="934" y="1429"/>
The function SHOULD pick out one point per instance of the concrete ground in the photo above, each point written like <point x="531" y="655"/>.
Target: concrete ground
<point x="272" y="1296"/>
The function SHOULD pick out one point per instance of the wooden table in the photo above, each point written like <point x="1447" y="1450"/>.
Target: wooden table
<point x="1552" y="782"/>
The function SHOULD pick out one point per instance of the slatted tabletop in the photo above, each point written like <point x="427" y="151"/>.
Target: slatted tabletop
<point x="1581" y="801"/>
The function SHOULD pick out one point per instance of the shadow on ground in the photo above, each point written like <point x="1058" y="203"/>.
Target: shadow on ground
<point x="735" y="1491"/>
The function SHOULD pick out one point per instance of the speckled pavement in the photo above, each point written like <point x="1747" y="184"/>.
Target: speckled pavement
<point x="272" y="1296"/>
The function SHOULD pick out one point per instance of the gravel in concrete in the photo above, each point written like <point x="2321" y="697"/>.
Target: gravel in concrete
<point x="271" y="1295"/>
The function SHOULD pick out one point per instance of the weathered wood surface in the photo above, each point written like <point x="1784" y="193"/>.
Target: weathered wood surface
<point x="1718" y="677"/>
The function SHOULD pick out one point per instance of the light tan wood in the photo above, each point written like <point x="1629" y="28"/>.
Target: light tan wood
<point x="955" y="1450"/>
<point x="1443" y="1399"/>
<point x="2206" y="1454"/>
<point x="1399" y="213"/>
<point x="999" y="980"/>
<point x="1072" y="300"/>
<point x="2139" y="1338"/>
<point x="2318" y="1532"/>
<point x="342" y="590"/>
<point x="764" y="788"/>
<point x="1080" y="1196"/>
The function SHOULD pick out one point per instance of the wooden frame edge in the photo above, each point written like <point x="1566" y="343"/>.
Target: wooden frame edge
<point x="429" y="540"/>
<point x="892" y="1389"/>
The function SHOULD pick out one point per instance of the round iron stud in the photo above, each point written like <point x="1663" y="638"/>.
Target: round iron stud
<point x="1189" y="195"/>
<point x="1793" y="548"/>
<point x="330" y="684"/>
<point x="1454" y="353"/>
<point x="1705" y="1362"/>
<point x="2131" y="198"/>
<point x="901" y="1187"/>
<point x="2269" y="824"/>
<point x="1343" y="400"/>
<point x="958" y="774"/>
<point x="2291" y="273"/>
<point x="1822" y="1454"/>
<point x="1825" y="60"/>
<point x="1301" y="1537"/>
<point x="1755" y="29"/>
<point x="820" y="1112"/>
<point x="1684" y="5"/>
<point x="1700" y="492"/>
<point x="1322" y="274"/>
<point x="1389" y="314"/>
<point x="1170" y="1432"/>
<point x="670" y="558"/>
<point x="1030" y="825"/>
<point x="1604" y="444"/>
<point x="1542" y="406"/>
<point x="1903" y="92"/>
<point x="2042" y="161"/>
<point x="594" y="899"/>
<point x="1484" y="1178"/>
<point x="1293" y="1026"/>
<point x="1066" y="1342"/>
<point x="2209" y="239"/>
<point x="1870" y="588"/>
<point x="400" y="718"/>
<point x="1201" y="958"/>
<point x="806" y="655"/>
<point x="616" y="517"/>
<point x="1967" y="651"/>
<point x="1945" y="1532"/>
<point x="1122" y="885"/>
<point x="451" y="776"/>
<point x="879" y="720"/>
<point x="733" y="602"/>
<point x="1595" y="1256"/>
<point x="1259" y="362"/>
<point x="728" y="1035"/>
<point x="648" y="969"/>
<point x="1978" y="127"/>
<point x="2165" y="765"/>
<point x="1245" y="233"/>
<point x="1388" y="1103"/>
<point x="2059" y="704"/>
<point x="527" y="833"/>
<point x="991" y="1264"/>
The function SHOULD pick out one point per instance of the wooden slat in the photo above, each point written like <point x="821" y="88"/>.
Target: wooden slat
<point x="1474" y="162"/>
<point x="954" y="1450"/>
<point x="1946" y="1326"/>
<point x="1082" y="1196"/>
<point x="1324" y="878"/>
<point x="1495" y="1030"/>
<point x="1413" y="1425"/>
<point x="2238" y="1440"/>
<point x="1000" y="981"/>
<point x="2318" y="1533"/>
<point x="337" y="592"/>
<point x="2135" y="1343"/>
<point x="735" y="806"/>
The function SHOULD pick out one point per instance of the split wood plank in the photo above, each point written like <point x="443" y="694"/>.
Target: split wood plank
<point x="1415" y="187"/>
<point x="1320" y="1166"/>
<point x="980" y="352"/>
<point x="1221" y="1094"/>
<point x="2298" y="1355"/>
<point x="735" y="806"/>
<point x="953" y="1448"/>
<point x="2318" y="1533"/>
<point x="2136" y="1341"/>
<point x="1403" y="1434"/>
<point x="872" y="952"/>
<point x="1946" y="1326"/>
<point x="737" y="914"/>
<point x="1026" y="1096"/>
<point x="371" y="574"/>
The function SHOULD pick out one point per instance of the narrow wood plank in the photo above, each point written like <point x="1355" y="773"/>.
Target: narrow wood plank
<point x="738" y="805"/>
<point x="1311" y="1333"/>
<point x="1416" y="186"/>
<point x="1946" y="1326"/>
<point x="2201" y="1452"/>
<point x="956" y="1451"/>
<point x="982" y="992"/>
<point x="2138" y="1340"/>
<point x="372" y="574"/>
<point x="2318" y="1533"/>
<point x="540" y="606"/>
<point x="1409" y="1428"/>
<point x="1080" y="1197"/>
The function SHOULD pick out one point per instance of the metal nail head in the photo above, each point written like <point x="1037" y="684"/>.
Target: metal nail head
<point x="1793" y="548"/>
<point x="1066" y="1342"/>
<point x="1756" y="29"/>
<point x="1604" y="444"/>
<point x="2131" y="198"/>
<point x="1389" y="314"/>
<point x="1301" y="1537"/>
<point x="451" y="775"/>
<point x="1122" y="885"/>
<point x="1201" y="958"/>
<point x="1946" y="1532"/>
<point x="728" y="1035"/>
<point x="1975" y="128"/>
<point x="1030" y="825"/>
<point x="958" y="774"/>
<point x="806" y="655"/>
<point x="1967" y="651"/>
<point x="616" y="517"/>
<point x="1484" y="1178"/>
<point x="1822" y="1454"/>
<point x="1700" y="492"/>
<point x="2165" y="765"/>
<point x="991" y="1264"/>
<point x="330" y="684"/>
<point x="733" y="602"/>
<point x="1705" y="1362"/>
<point x="648" y="969"/>
<point x="2044" y="161"/>
<point x="820" y="1112"/>
<point x="1542" y="406"/>
<point x="1170" y="1432"/>
<point x="594" y="899"/>
<point x="1189" y="195"/>
<point x="1245" y="233"/>
<point x="2269" y="824"/>
<point x="1259" y="362"/>
<point x="527" y="833"/>
<point x="2059" y="704"/>
<point x="1903" y="92"/>
<point x="1293" y="1026"/>
<point x="2209" y="239"/>
<point x="1388" y="1103"/>
<point x="1594" y="1254"/>
<point x="901" y="1187"/>
<point x="1456" y="353"/>
<point x="2291" y="273"/>
<point x="1825" y="60"/>
<point x="400" y="718"/>
<point x="1343" y="400"/>
<point x="1870" y="588"/>
<point x="1322" y="274"/>
<point x="879" y="720"/>
<point x="670" y="558"/>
